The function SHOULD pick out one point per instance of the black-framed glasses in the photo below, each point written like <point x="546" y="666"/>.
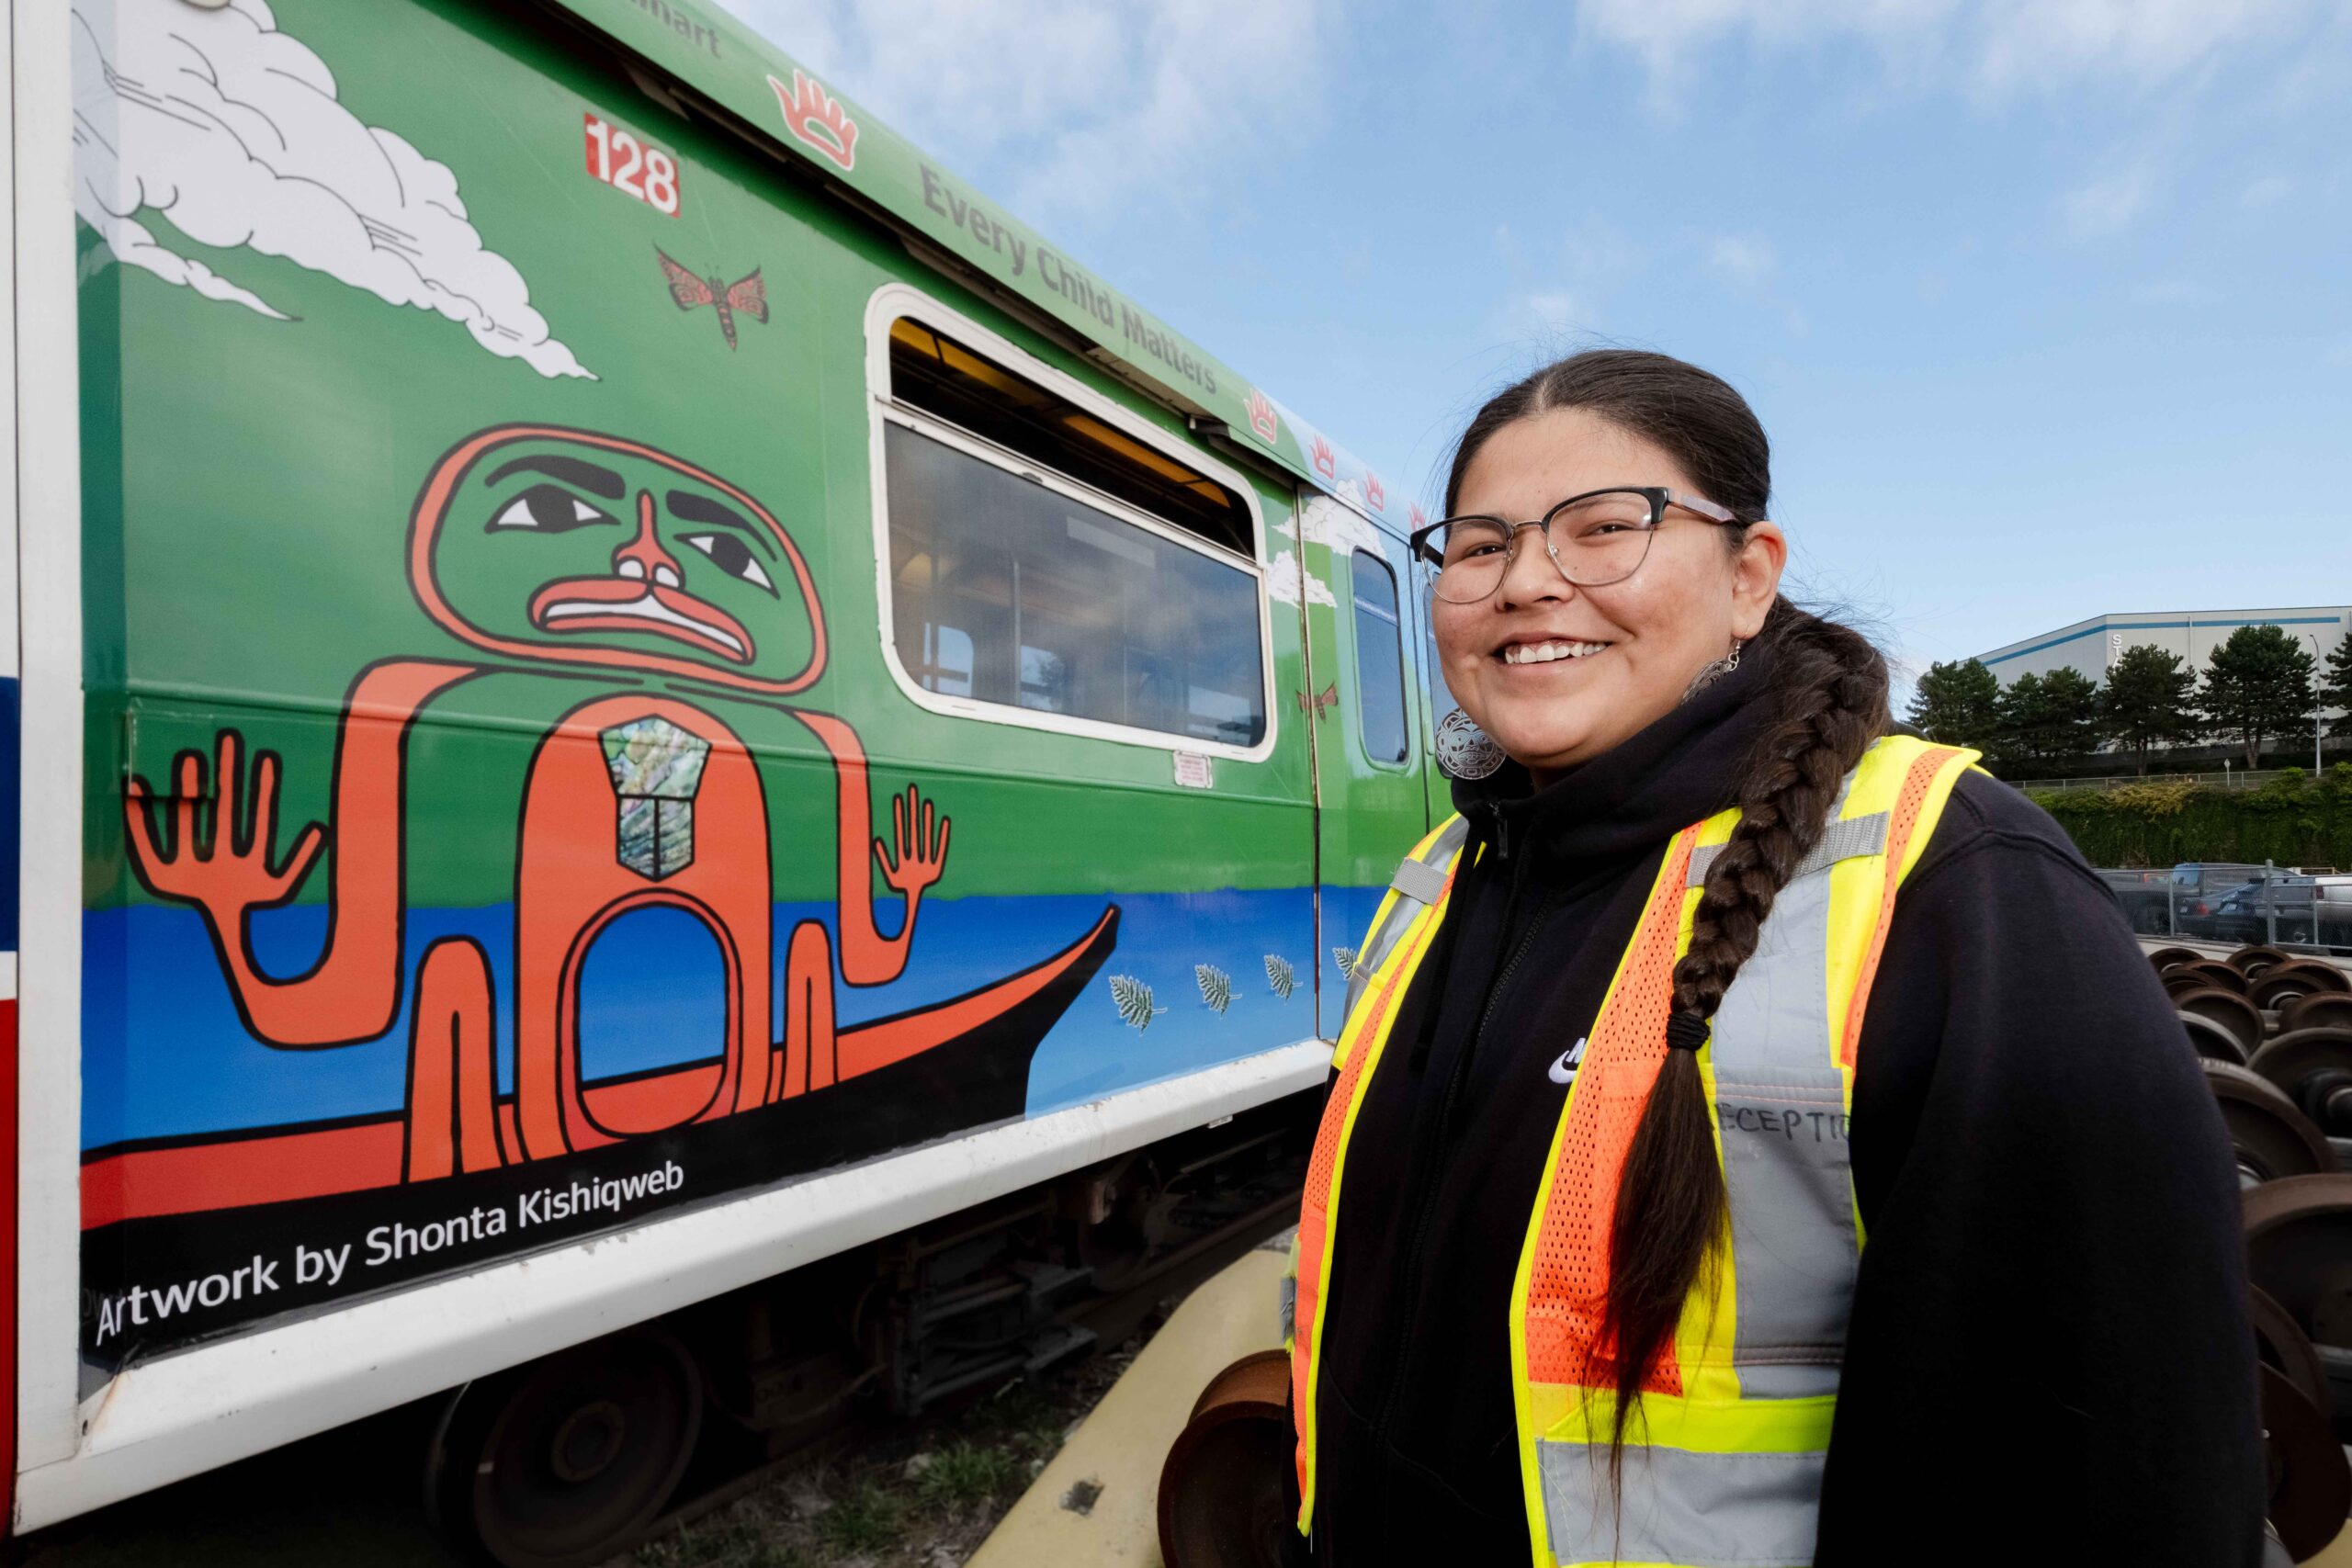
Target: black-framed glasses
<point x="1597" y="538"/>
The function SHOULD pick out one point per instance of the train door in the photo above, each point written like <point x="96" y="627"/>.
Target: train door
<point x="1369" y="714"/>
<point x="1437" y="697"/>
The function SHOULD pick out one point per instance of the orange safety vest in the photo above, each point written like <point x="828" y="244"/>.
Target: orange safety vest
<point x="1724" y="1466"/>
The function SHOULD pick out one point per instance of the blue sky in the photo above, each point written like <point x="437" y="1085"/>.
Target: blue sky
<point x="2047" y="304"/>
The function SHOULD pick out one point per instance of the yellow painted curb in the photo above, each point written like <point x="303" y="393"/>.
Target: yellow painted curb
<point x="1121" y="1445"/>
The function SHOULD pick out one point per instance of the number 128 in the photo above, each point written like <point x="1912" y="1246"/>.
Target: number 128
<point x="621" y="161"/>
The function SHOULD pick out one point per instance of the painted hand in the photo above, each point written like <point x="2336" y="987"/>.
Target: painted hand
<point x="912" y="867"/>
<point x="226" y="871"/>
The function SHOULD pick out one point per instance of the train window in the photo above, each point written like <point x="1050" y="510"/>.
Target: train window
<point x="932" y="371"/>
<point x="1008" y="592"/>
<point x="1380" y="658"/>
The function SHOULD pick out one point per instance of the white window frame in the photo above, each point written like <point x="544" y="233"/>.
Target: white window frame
<point x="893" y="300"/>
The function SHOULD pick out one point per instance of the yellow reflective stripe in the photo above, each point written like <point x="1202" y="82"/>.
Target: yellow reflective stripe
<point x="1339" y="1051"/>
<point x="1409" y="952"/>
<point x="1700" y="1426"/>
<point x="1931" y="809"/>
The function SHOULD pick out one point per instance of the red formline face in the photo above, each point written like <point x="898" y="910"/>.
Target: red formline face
<point x="433" y="504"/>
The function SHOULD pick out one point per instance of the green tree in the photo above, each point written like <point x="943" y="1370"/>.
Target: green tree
<point x="2336" y="686"/>
<point x="2150" y="700"/>
<point x="2023" y="739"/>
<point x="2070" y="715"/>
<point x="1958" y="705"/>
<point x="2258" y="686"/>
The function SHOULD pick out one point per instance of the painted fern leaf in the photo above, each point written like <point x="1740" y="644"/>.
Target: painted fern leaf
<point x="1216" y="986"/>
<point x="1280" y="977"/>
<point x="1133" y="998"/>
<point x="1345" y="957"/>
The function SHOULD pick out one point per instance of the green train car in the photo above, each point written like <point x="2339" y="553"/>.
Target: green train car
<point x="657" y="696"/>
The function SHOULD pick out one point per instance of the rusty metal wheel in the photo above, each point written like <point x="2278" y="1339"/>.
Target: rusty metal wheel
<point x="2271" y="1137"/>
<point x="2286" y="982"/>
<point x="2317" y="1010"/>
<point x="2310" y="1485"/>
<point x="2287" y="1348"/>
<point x="2215" y="973"/>
<point x="2212" y="1042"/>
<point x="2165" y="958"/>
<point x="2313" y="1068"/>
<point x="2252" y="961"/>
<point x="2230" y="1011"/>
<point x="1222" y="1503"/>
<point x="2299" y="1247"/>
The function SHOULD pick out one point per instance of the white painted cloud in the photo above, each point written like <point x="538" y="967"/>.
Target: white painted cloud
<point x="1323" y="520"/>
<point x="1283" y="577"/>
<point x="1076" y="105"/>
<point x="231" y="128"/>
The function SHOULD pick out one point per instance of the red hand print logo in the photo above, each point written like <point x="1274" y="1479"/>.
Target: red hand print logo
<point x="1325" y="462"/>
<point x="813" y="116"/>
<point x="1376" y="495"/>
<point x="1262" y="418"/>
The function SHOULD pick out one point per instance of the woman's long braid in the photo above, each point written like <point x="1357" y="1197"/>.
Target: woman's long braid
<point x="1671" y="1207"/>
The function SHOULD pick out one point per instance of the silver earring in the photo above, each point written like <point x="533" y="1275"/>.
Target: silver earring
<point x="1464" y="750"/>
<point x="1714" y="673"/>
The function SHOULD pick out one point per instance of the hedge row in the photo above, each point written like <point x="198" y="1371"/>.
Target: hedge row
<point x="2295" y="820"/>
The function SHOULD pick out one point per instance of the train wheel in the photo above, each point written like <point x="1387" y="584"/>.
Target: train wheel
<point x="1221" y="1498"/>
<point x="2272" y="1137"/>
<point x="564" y="1462"/>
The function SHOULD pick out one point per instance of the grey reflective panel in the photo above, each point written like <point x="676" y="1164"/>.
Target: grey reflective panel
<point x="1696" y="1510"/>
<point x="1792" y="1243"/>
<point x="1418" y="882"/>
<point x="1781" y="1107"/>
<point x="1843" y="840"/>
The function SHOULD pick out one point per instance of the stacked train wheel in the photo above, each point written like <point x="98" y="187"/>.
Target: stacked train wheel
<point x="1221" y="1498"/>
<point x="2274" y="1032"/>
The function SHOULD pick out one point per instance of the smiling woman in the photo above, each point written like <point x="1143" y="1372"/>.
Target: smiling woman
<point x="1816" y="982"/>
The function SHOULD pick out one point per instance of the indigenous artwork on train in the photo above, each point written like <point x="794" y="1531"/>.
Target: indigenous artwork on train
<point x="502" y="825"/>
<point x="658" y="593"/>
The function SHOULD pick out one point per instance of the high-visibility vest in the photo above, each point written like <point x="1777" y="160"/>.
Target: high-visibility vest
<point x="1723" y="1465"/>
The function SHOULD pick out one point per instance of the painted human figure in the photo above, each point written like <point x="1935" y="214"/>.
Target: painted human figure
<point x="652" y="586"/>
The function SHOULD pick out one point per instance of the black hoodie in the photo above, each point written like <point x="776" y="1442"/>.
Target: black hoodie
<point x="2048" y="1359"/>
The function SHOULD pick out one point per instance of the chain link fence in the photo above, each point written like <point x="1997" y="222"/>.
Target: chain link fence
<point x="2297" y="910"/>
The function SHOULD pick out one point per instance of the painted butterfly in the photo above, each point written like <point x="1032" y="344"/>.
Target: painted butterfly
<point x="745" y="295"/>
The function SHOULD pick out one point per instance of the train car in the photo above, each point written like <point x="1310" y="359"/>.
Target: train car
<point x="672" y="774"/>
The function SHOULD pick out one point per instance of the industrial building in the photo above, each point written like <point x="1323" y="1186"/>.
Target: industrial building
<point x="2091" y="647"/>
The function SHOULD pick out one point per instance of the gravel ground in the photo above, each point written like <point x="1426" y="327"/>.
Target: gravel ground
<point x="925" y="1497"/>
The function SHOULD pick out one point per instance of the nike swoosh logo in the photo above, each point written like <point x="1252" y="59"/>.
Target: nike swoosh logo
<point x="1565" y="1069"/>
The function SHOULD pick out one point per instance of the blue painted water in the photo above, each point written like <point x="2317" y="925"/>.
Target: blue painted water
<point x="165" y="1053"/>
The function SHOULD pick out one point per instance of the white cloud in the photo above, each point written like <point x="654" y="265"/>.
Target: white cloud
<point x="231" y="127"/>
<point x="2110" y="201"/>
<point x="1996" y="46"/>
<point x="1744" y="259"/>
<point x="1086" y="108"/>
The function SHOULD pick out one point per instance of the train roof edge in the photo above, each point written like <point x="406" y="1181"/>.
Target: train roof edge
<point x="829" y="135"/>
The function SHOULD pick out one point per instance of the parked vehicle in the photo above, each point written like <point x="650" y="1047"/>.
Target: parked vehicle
<point x="631" y="696"/>
<point x="2146" y="896"/>
<point x="2196" y="890"/>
